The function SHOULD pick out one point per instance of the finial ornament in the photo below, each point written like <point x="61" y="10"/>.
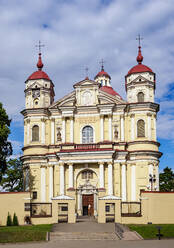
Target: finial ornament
<point x="39" y="63"/>
<point x="102" y="64"/>
<point x="86" y="70"/>
<point x="139" y="57"/>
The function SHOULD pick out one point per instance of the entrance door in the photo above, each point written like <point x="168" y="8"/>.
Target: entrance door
<point x="88" y="204"/>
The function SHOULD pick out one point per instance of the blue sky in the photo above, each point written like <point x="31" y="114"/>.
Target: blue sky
<point x="78" y="33"/>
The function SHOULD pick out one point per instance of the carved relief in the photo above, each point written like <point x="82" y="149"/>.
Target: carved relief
<point x="87" y="120"/>
<point x="87" y="98"/>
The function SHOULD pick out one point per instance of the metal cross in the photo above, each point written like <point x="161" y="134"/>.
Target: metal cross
<point x="139" y="38"/>
<point x="102" y="64"/>
<point x="39" y="46"/>
<point x="86" y="69"/>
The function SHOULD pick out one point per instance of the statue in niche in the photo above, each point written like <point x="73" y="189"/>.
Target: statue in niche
<point x="115" y="132"/>
<point x="59" y="138"/>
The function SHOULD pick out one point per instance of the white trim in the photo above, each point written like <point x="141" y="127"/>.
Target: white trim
<point x="157" y="178"/>
<point x="124" y="182"/>
<point x="154" y="128"/>
<point x="149" y="127"/>
<point x="72" y="130"/>
<point x="132" y="128"/>
<point x="133" y="183"/>
<point x="110" y="127"/>
<point x="43" y="185"/>
<point x="86" y="161"/>
<point x="63" y="130"/>
<point x="43" y="133"/>
<point x="84" y="153"/>
<point x="62" y="197"/>
<point x="28" y="133"/>
<point x="50" y="182"/>
<point x="122" y="128"/>
<point x="110" y="197"/>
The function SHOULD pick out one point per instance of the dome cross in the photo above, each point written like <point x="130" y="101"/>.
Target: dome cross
<point x="139" y="38"/>
<point x="40" y="46"/>
<point x="102" y="64"/>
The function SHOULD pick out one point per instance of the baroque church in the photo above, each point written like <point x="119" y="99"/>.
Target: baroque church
<point x="91" y="143"/>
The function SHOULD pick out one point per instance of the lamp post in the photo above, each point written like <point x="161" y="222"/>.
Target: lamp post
<point x="152" y="179"/>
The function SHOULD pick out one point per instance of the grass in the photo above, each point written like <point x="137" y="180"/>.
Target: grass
<point x="150" y="231"/>
<point x="13" y="234"/>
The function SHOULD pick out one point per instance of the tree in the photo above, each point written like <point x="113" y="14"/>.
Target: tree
<point x="15" y="220"/>
<point x="166" y="179"/>
<point x="5" y="145"/>
<point x="9" y="221"/>
<point x="12" y="180"/>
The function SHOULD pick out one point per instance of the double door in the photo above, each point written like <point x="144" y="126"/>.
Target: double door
<point x="88" y="204"/>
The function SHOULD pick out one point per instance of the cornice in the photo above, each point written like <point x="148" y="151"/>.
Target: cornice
<point x="144" y="142"/>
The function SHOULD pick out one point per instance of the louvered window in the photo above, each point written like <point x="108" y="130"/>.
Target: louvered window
<point x="140" y="128"/>
<point x="35" y="133"/>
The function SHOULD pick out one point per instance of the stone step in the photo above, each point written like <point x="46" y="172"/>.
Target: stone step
<point x="82" y="236"/>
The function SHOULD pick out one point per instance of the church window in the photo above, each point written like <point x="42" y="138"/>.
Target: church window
<point x="140" y="97"/>
<point x="87" y="135"/>
<point x="35" y="133"/>
<point x="87" y="174"/>
<point x="34" y="194"/>
<point x="140" y="128"/>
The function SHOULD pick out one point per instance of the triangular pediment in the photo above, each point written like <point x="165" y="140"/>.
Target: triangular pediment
<point x="68" y="100"/>
<point x="86" y="82"/>
<point x="105" y="98"/>
<point x="139" y="79"/>
<point x="33" y="85"/>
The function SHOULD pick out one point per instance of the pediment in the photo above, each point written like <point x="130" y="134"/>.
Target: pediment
<point x="33" y="85"/>
<point x="139" y="79"/>
<point x="86" y="82"/>
<point x="68" y="100"/>
<point x="105" y="98"/>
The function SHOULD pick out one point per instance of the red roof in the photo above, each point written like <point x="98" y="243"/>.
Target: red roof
<point x="102" y="73"/>
<point x="109" y="90"/>
<point x="139" y="68"/>
<point x="38" y="75"/>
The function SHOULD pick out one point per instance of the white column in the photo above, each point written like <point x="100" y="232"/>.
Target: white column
<point x="52" y="131"/>
<point x="43" y="131"/>
<point x="63" y="130"/>
<point x="28" y="131"/>
<point x="149" y="126"/>
<point x="123" y="182"/>
<point x="72" y="130"/>
<point x="110" y="127"/>
<point x="132" y="127"/>
<point x="50" y="182"/>
<point x="110" y="180"/>
<point x="122" y="128"/>
<point x="62" y="179"/>
<point x="133" y="183"/>
<point x="157" y="177"/>
<point x="71" y="178"/>
<point x="101" y="128"/>
<point x="101" y="170"/>
<point x="43" y="185"/>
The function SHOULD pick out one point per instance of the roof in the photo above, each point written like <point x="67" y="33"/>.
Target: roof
<point x="110" y="90"/>
<point x="102" y="73"/>
<point x="39" y="74"/>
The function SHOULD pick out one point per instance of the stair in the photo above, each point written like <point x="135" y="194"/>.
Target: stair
<point x="83" y="236"/>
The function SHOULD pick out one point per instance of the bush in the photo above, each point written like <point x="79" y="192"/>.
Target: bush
<point x="15" y="220"/>
<point x="9" y="221"/>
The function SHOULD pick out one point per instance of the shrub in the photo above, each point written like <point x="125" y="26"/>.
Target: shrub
<point x="15" y="220"/>
<point x="9" y="221"/>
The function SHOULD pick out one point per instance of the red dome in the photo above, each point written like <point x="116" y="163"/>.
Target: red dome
<point x="139" y="68"/>
<point x="109" y="90"/>
<point x="102" y="73"/>
<point x="38" y="75"/>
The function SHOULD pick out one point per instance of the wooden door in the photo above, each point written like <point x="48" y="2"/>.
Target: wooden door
<point x="88" y="205"/>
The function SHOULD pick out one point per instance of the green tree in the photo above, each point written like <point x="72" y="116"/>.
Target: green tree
<point x="12" y="180"/>
<point x="5" y="145"/>
<point x="15" y="220"/>
<point x="166" y="180"/>
<point x="9" y="221"/>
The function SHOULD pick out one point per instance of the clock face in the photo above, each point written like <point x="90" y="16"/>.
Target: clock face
<point x="36" y="93"/>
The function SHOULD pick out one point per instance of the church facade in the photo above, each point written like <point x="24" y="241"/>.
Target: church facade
<point x="91" y="144"/>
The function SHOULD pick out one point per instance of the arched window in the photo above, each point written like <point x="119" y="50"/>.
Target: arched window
<point x="87" y="174"/>
<point x="87" y="135"/>
<point x="35" y="133"/>
<point x="140" y="128"/>
<point x="140" y="97"/>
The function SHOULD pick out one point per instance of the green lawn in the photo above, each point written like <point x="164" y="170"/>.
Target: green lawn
<point x="150" y="231"/>
<point x="23" y="233"/>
